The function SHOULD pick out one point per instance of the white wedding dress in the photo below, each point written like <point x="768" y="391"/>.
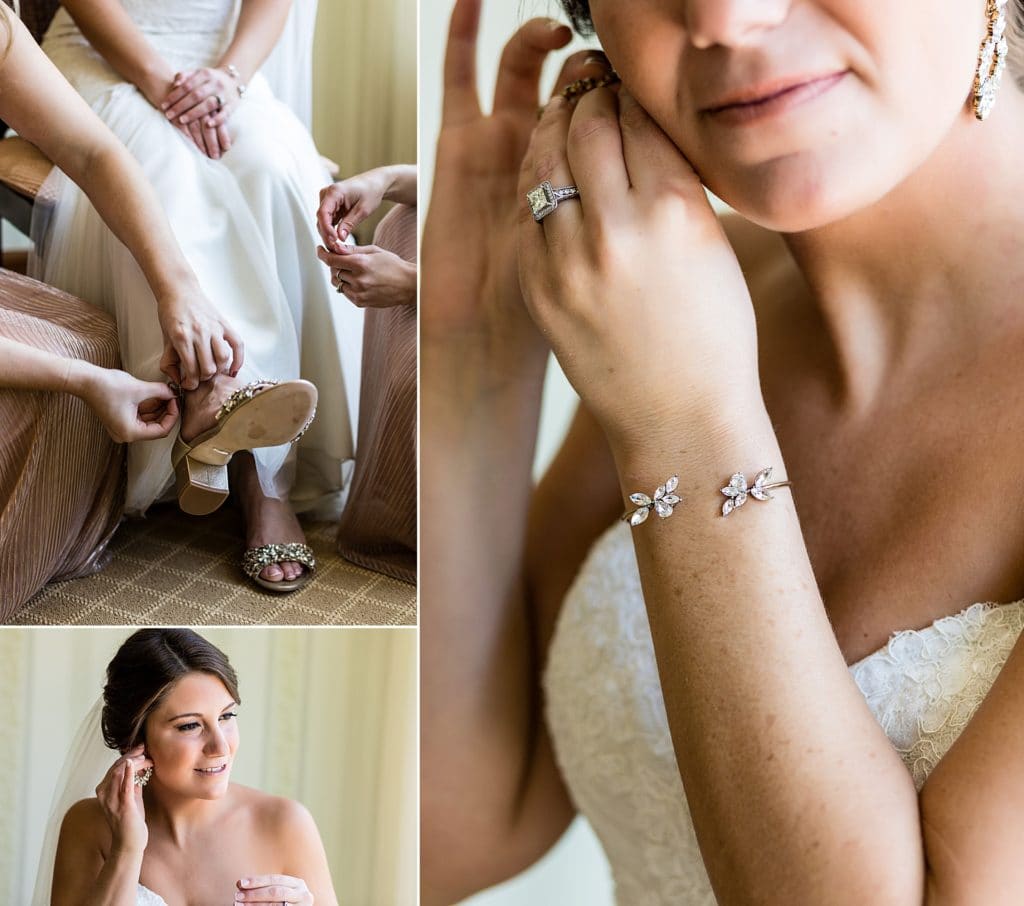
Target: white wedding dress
<point x="246" y="226"/>
<point x="607" y="716"/>
<point x="146" y="897"/>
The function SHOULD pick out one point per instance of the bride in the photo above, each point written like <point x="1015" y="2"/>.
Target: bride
<point x="166" y="824"/>
<point x="720" y="690"/>
<point x="239" y="177"/>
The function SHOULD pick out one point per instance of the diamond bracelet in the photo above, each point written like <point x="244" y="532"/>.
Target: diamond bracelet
<point x="664" y="500"/>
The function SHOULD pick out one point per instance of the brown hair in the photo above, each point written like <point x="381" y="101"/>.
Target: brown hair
<point x="143" y="671"/>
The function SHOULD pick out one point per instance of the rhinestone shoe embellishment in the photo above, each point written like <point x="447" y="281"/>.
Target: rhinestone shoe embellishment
<point x="254" y="561"/>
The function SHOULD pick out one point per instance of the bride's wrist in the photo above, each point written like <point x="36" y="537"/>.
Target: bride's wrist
<point x="712" y="442"/>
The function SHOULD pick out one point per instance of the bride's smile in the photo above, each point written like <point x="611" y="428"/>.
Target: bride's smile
<point x="192" y="738"/>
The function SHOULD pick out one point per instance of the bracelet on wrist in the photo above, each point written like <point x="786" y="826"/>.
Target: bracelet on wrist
<point x="232" y="71"/>
<point x="664" y="500"/>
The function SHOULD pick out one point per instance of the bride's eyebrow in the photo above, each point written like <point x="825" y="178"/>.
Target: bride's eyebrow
<point x="232" y="704"/>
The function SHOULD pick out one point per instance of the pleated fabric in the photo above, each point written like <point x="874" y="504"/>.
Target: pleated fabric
<point x="61" y="476"/>
<point x="378" y="526"/>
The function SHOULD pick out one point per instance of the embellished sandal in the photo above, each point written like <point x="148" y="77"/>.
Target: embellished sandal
<point x="260" y="414"/>
<point x="256" y="559"/>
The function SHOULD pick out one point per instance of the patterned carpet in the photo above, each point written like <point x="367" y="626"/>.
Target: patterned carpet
<point x="173" y="569"/>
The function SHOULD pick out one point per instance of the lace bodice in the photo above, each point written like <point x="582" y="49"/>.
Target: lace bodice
<point x="607" y="716"/>
<point x="146" y="897"/>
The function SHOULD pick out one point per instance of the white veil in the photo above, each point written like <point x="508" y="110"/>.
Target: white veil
<point x="88" y="760"/>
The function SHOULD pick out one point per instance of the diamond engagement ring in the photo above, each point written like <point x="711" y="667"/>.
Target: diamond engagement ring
<point x="736" y="490"/>
<point x="545" y="198"/>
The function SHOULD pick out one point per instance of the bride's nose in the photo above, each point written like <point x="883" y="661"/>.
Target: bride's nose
<point x="731" y="23"/>
<point x="216" y="742"/>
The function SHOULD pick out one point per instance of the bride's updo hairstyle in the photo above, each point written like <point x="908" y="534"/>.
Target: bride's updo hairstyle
<point x="143" y="671"/>
<point x="578" y="12"/>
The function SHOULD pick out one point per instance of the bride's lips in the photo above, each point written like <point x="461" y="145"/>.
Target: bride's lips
<point x="770" y="98"/>
<point x="212" y="772"/>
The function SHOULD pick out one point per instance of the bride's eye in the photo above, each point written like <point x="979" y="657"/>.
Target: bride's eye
<point x="229" y="716"/>
<point x="185" y="728"/>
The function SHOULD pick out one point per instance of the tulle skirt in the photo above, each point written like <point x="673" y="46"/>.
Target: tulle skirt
<point x="246" y="226"/>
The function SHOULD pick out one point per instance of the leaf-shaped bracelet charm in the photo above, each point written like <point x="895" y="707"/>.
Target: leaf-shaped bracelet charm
<point x="663" y="502"/>
<point x="736" y="490"/>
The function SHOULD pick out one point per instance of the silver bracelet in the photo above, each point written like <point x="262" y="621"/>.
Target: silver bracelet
<point x="736" y="491"/>
<point x="662" y="502"/>
<point x="232" y="71"/>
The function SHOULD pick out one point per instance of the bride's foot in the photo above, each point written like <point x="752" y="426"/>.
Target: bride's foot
<point x="267" y="521"/>
<point x="199" y="408"/>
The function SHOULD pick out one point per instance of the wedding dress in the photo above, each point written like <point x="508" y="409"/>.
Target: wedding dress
<point x="146" y="897"/>
<point x="607" y="716"/>
<point x="246" y="225"/>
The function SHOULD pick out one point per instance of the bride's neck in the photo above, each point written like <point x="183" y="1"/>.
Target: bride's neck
<point x="180" y="816"/>
<point x="933" y="262"/>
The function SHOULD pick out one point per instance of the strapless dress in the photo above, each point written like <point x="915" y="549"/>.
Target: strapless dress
<point x="607" y="718"/>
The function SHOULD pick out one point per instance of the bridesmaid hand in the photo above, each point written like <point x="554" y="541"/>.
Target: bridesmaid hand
<point x="130" y="409"/>
<point x="371" y="277"/>
<point x="121" y="800"/>
<point x="198" y="342"/>
<point x="273" y="889"/>
<point x="634" y="283"/>
<point x="347" y="204"/>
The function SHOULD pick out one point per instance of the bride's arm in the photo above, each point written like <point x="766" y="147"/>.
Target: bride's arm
<point x="108" y="27"/>
<point x="39" y="103"/>
<point x="89" y="873"/>
<point x="260" y="23"/>
<point x="796" y="794"/>
<point x="102" y="841"/>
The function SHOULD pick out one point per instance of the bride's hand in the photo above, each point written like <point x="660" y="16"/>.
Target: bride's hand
<point x="273" y="889"/>
<point x="198" y="342"/>
<point x="199" y="103"/>
<point x="634" y="283"/>
<point x="470" y="280"/>
<point x="121" y="800"/>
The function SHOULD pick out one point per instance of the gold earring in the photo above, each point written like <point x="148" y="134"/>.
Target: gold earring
<point x="991" y="59"/>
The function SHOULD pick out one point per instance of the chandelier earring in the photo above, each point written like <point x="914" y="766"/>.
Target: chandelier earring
<point x="991" y="59"/>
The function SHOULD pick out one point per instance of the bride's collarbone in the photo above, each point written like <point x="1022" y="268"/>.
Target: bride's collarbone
<point x="907" y="519"/>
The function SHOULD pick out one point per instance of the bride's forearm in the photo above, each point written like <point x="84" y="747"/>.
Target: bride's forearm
<point x="118" y="880"/>
<point x="478" y="437"/>
<point x="796" y="793"/>
<point x="109" y="28"/>
<point x="260" y="24"/>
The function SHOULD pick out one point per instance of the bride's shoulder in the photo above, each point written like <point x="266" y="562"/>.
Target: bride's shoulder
<point x="84" y="823"/>
<point x="278" y="816"/>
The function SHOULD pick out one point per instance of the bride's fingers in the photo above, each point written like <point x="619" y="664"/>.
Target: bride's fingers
<point x="518" y="86"/>
<point x="654" y="164"/>
<point x="594" y="151"/>
<point x="461" y="102"/>
<point x="545" y="161"/>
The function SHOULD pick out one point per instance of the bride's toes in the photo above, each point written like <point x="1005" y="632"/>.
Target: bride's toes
<point x="292" y="570"/>
<point x="274" y="573"/>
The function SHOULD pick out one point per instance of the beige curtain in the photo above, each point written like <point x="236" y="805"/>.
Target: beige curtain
<point x="364" y="85"/>
<point x="328" y="718"/>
